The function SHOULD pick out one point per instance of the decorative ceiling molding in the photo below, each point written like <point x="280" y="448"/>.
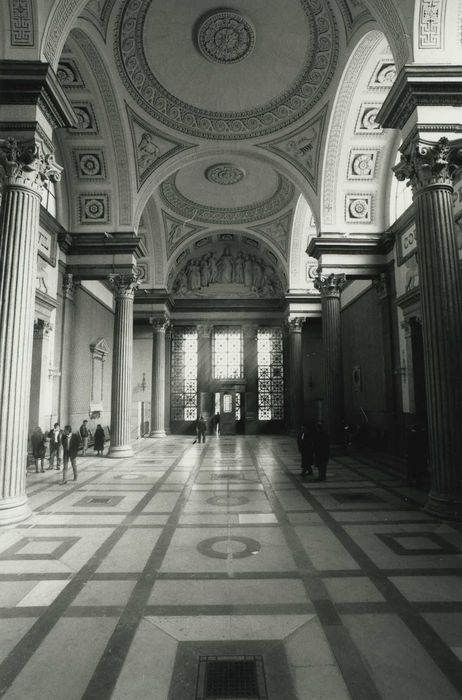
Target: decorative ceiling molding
<point x="225" y="36"/>
<point x="227" y="216"/>
<point x="111" y="106"/>
<point x="322" y="54"/>
<point x="278" y="231"/>
<point x="97" y="12"/>
<point x="338" y="120"/>
<point x="177" y="231"/>
<point x="302" y="148"/>
<point x="151" y="147"/>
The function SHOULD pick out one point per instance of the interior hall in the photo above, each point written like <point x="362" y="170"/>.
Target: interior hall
<point x="230" y="350"/>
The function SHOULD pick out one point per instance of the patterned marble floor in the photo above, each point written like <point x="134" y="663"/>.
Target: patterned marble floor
<point x="144" y="576"/>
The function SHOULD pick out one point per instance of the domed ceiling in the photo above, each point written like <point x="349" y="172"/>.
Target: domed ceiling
<point x="220" y="73"/>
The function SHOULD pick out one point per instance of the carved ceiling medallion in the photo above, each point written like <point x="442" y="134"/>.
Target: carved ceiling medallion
<point x="224" y="174"/>
<point x="227" y="41"/>
<point x="225" y="36"/>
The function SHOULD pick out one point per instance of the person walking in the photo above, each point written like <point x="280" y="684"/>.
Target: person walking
<point x="71" y="444"/>
<point x="85" y="435"/>
<point x="38" y="443"/>
<point x="56" y="438"/>
<point x="201" y="428"/>
<point x="100" y="439"/>
<point x="216" y="423"/>
<point x="305" y="444"/>
<point x="321" y="450"/>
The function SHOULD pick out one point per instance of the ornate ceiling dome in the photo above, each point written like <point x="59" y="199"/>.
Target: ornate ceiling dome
<point x="218" y="74"/>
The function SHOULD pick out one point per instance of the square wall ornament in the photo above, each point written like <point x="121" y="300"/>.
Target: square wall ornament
<point x="358" y="208"/>
<point x="86" y="119"/>
<point x="366" y="121"/>
<point x="89" y="164"/>
<point x="362" y="164"/>
<point x="94" y="208"/>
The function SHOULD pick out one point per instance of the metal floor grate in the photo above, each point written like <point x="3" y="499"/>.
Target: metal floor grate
<point x="231" y="678"/>
<point x="228" y="475"/>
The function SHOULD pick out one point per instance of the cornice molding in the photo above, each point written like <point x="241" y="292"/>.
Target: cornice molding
<point x="377" y="245"/>
<point x="114" y="243"/>
<point x="34" y="82"/>
<point x="420" y="86"/>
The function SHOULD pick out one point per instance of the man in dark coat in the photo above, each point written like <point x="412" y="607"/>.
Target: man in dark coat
<point x="71" y="444"/>
<point x="306" y="448"/>
<point x="99" y="440"/>
<point x="38" y="444"/>
<point x="321" y="450"/>
<point x="56" y="437"/>
<point x="201" y="428"/>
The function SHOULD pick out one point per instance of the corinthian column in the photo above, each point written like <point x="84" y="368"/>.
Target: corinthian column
<point x="25" y="170"/>
<point x="121" y="395"/>
<point x="295" y="375"/>
<point x="330" y="288"/>
<point x="159" y="327"/>
<point x="430" y="167"/>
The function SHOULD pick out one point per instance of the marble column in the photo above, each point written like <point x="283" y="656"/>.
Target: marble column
<point x="40" y="399"/>
<point x="122" y="365"/>
<point x="25" y="170"/>
<point x="295" y="375"/>
<point x="330" y="287"/>
<point x="430" y="168"/>
<point x="204" y="372"/>
<point x="69" y="286"/>
<point x="168" y="372"/>
<point x="159" y="327"/>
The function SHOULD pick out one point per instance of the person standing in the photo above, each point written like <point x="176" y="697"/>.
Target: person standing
<point x="201" y="428"/>
<point x="216" y="423"/>
<point x="321" y="450"/>
<point x="306" y="448"/>
<point x="56" y="437"/>
<point x="100" y="439"/>
<point x="71" y="444"/>
<point x="417" y="455"/>
<point x="85" y="435"/>
<point x="38" y="443"/>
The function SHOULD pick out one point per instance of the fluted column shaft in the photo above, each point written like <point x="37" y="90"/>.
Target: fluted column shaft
<point x="122" y="366"/>
<point x="295" y="375"/>
<point x="25" y="170"/>
<point x="159" y="327"/>
<point x="330" y="288"/>
<point x="430" y="168"/>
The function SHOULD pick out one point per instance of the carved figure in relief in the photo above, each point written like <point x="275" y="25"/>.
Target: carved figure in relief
<point x="213" y="268"/>
<point x="147" y="151"/>
<point x="248" y="273"/>
<point x="257" y="274"/>
<point x="205" y="271"/>
<point x="225" y="267"/>
<point x="239" y="269"/>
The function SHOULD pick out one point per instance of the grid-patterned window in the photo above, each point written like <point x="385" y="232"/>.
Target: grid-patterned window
<point x="184" y="373"/>
<point x="270" y="374"/>
<point x="227" y="354"/>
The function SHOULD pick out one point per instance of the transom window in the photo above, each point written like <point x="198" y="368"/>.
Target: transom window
<point x="184" y="373"/>
<point x="227" y="353"/>
<point x="270" y="374"/>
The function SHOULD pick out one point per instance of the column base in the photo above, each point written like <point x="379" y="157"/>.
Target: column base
<point x="119" y="451"/>
<point x="14" y="510"/>
<point x="444" y="507"/>
<point x="157" y="433"/>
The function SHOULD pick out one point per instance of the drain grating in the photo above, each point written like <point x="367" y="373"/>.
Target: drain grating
<point x="227" y="475"/>
<point x="231" y="678"/>
<point x="100" y="500"/>
<point x="357" y="498"/>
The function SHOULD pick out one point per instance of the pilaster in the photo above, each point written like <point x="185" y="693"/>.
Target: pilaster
<point x="296" y="399"/>
<point x="250" y="407"/>
<point x="159" y="327"/>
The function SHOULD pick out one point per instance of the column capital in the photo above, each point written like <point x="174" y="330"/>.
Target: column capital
<point x="295" y="325"/>
<point x="249" y="330"/>
<point x="329" y="285"/>
<point x="204" y="330"/>
<point x="424" y="163"/>
<point x="159" y="323"/>
<point x="70" y="284"/>
<point x="25" y="164"/>
<point x="124" y="285"/>
<point x="42" y="328"/>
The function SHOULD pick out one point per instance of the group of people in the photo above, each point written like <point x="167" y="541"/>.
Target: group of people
<point x="64" y="446"/>
<point x="201" y="427"/>
<point x="313" y="445"/>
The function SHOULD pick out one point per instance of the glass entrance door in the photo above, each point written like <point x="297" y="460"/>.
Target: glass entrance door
<point x="225" y="405"/>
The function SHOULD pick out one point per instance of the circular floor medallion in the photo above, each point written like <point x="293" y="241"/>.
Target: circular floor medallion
<point x="223" y="547"/>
